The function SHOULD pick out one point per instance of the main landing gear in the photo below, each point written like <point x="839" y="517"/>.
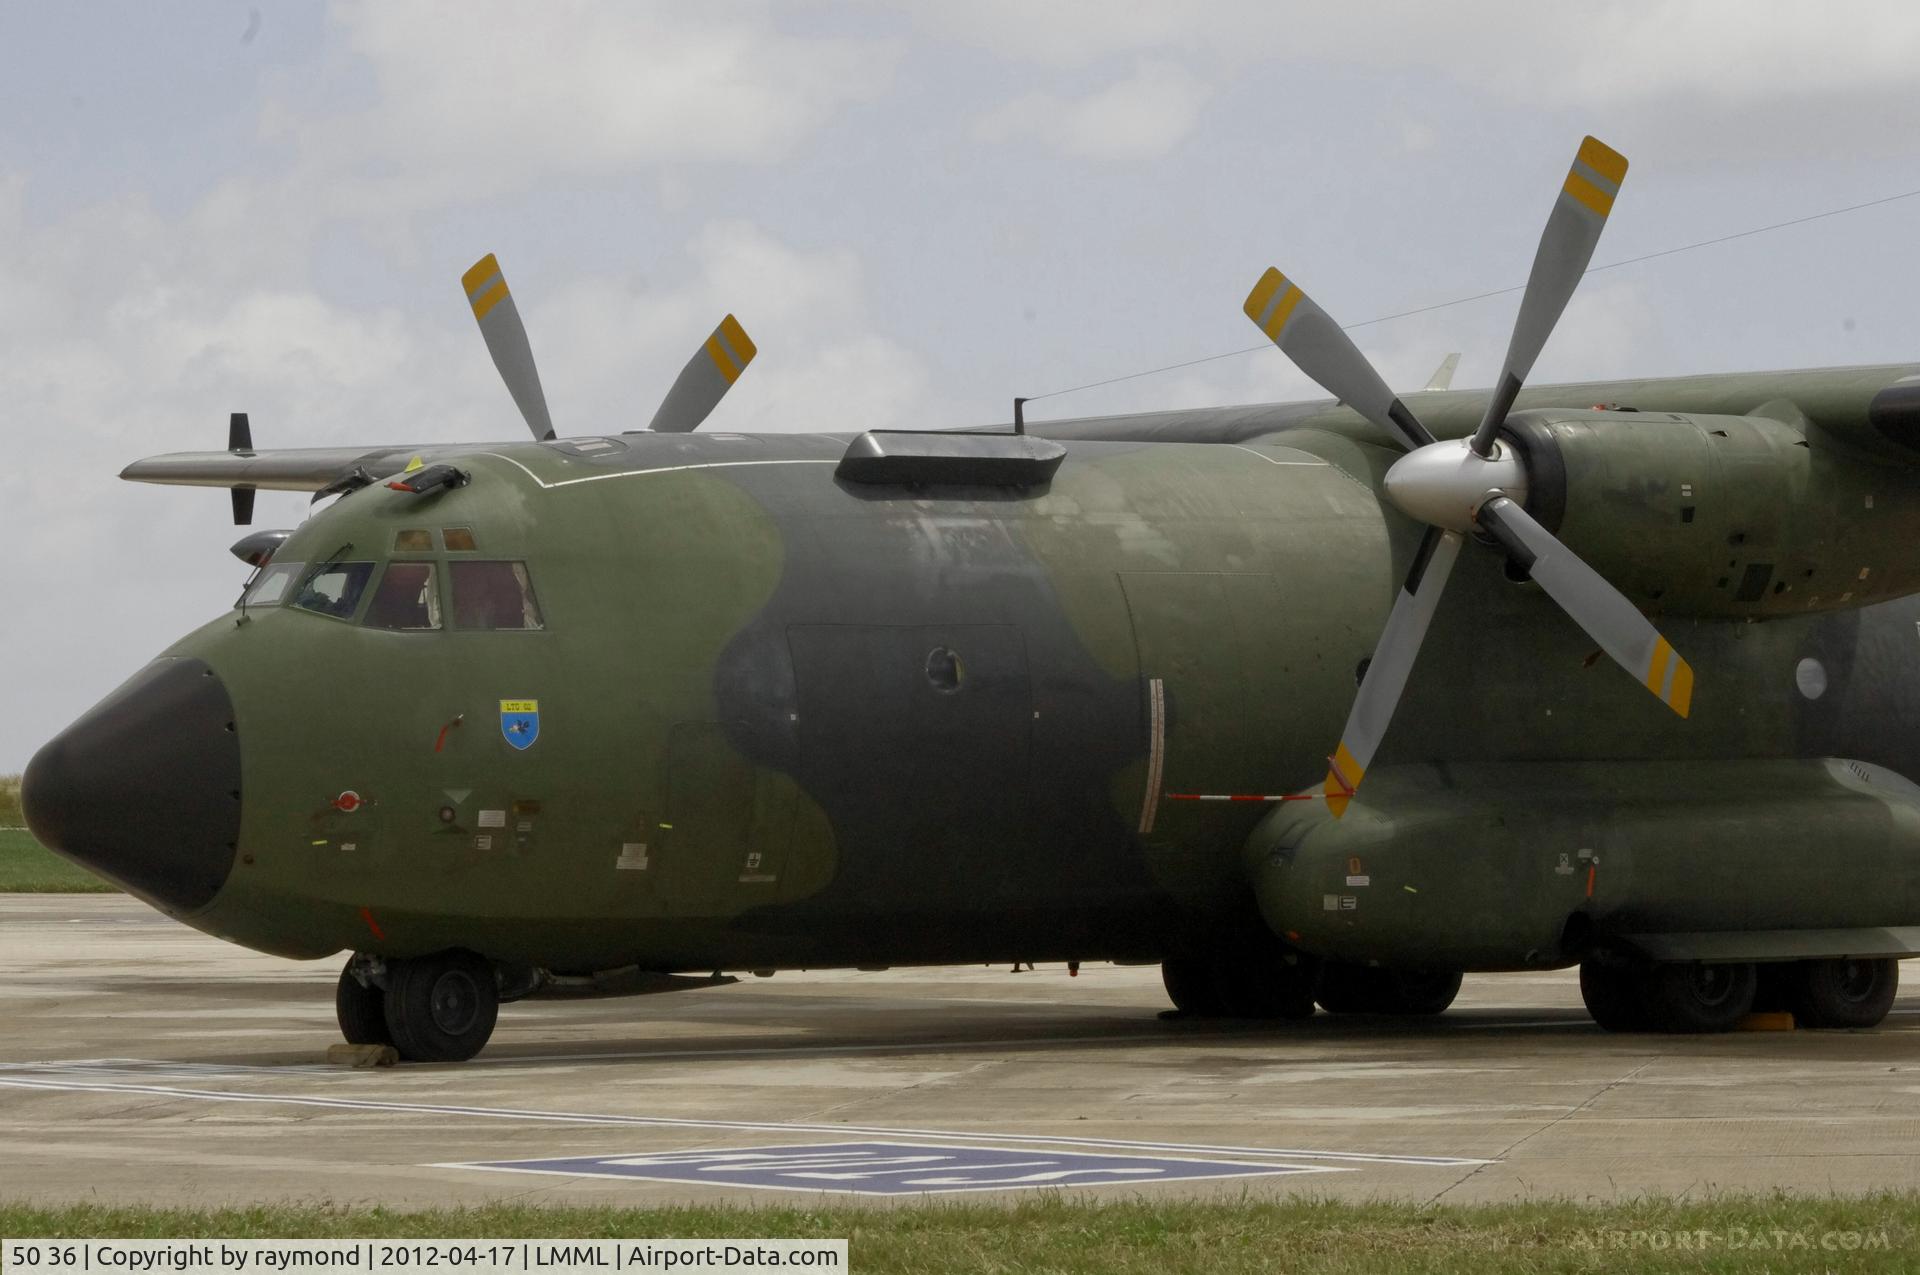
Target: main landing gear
<point x="1703" y="997"/>
<point x="1262" y="983"/>
<point x="438" y="1008"/>
<point x="1274" y="983"/>
<point x="1363" y="989"/>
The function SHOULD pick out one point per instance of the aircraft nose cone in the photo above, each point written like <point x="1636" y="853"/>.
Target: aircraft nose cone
<point x="145" y="788"/>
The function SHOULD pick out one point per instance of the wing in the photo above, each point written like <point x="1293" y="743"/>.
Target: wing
<point x="284" y="469"/>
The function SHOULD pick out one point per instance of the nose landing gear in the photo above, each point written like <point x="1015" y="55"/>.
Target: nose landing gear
<point x="437" y="1008"/>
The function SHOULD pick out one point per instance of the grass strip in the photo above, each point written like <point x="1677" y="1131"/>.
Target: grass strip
<point x="1221" y="1236"/>
<point x="26" y="867"/>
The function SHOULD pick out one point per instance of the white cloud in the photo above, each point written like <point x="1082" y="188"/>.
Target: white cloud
<point x="1726" y="80"/>
<point x="1067" y="33"/>
<point x="1609" y="325"/>
<point x="1142" y="116"/>
<point x="490" y="97"/>
<point x="609" y="350"/>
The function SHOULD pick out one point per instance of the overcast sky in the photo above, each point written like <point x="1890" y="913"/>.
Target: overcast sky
<point x="918" y="211"/>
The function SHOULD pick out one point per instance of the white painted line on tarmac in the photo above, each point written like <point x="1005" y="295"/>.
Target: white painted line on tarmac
<point x="158" y="1067"/>
<point x="889" y="1047"/>
<point x="665" y="1122"/>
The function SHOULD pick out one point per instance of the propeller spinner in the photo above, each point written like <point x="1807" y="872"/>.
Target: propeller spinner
<point x="702" y="383"/>
<point x="1473" y="484"/>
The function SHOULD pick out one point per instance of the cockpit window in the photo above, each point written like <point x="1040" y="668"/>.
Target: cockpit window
<point x="270" y="587"/>
<point x="335" y="589"/>
<point x="493" y="595"/>
<point x="459" y="539"/>
<point x="413" y="540"/>
<point x="405" y="599"/>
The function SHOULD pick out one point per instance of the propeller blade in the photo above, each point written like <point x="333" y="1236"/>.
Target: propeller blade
<point x="1307" y="335"/>
<point x="1566" y="249"/>
<point x="705" y="380"/>
<point x="506" y="338"/>
<point x="1596" y="606"/>
<point x="1391" y="662"/>
<point x="240" y="442"/>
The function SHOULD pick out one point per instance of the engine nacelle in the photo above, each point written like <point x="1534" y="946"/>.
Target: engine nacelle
<point x="1720" y="516"/>
<point x="1518" y="865"/>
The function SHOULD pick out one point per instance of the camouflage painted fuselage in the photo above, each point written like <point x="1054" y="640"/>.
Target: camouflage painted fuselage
<point x="786" y="720"/>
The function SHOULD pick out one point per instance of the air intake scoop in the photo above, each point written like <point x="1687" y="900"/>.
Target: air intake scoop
<point x="893" y="457"/>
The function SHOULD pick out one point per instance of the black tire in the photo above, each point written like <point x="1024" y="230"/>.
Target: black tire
<point x="1419" y="993"/>
<point x="1697" y="997"/>
<point x="1268" y="985"/>
<point x="1349" y="989"/>
<point x="1192" y="987"/>
<point x="1358" y="989"/>
<point x="1774" y="987"/>
<point x="441" y="1008"/>
<point x="362" y="1011"/>
<point x="1845" y="992"/>
<point x="1616" y="995"/>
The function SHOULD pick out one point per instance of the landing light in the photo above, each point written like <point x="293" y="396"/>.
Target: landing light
<point x="257" y="549"/>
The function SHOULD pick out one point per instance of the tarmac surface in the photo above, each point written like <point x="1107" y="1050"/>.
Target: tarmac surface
<point x="142" y="1062"/>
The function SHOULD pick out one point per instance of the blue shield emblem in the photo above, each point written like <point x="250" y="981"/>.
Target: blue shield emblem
<point x="520" y="722"/>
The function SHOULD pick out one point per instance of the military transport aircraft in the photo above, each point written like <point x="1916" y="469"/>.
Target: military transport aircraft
<point x="509" y="716"/>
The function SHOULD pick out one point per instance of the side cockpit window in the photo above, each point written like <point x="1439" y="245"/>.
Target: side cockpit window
<point x="405" y="599"/>
<point x="493" y="595"/>
<point x="334" y="589"/>
<point x="272" y="586"/>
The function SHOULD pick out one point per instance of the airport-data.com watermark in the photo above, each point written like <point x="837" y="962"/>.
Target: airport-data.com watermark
<point x="1734" y="1239"/>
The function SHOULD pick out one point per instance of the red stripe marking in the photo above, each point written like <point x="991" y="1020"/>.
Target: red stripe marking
<point x="1346" y="785"/>
<point x="1242" y="796"/>
<point x="1589" y="880"/>
<point x="366" y="914"/>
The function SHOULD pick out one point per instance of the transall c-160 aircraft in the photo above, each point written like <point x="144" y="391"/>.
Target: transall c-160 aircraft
<point x="1318" y="702"/>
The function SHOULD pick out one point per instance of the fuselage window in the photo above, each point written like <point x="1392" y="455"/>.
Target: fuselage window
<point x="271" y="589"/>
<point x="335" y="589"/>
<point x="406" y="599"/>
<point x="493" y="595"/>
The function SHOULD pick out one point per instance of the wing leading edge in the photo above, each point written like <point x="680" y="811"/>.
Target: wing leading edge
<point x="283" y="469"/>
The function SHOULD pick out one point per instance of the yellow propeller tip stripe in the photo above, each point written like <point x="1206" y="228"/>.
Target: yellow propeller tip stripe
<point x="1270" y="282"/>
<point x="1590" y="196"/>
<point x="479" y="272"/>
<point x="490" y="298"/>
<point x="1349" y="765"/>
<point x="1681" y="699"/>
<point x="737" y="338"/>
<point x="1603" y="159"/>
<point x="717" y="353"/>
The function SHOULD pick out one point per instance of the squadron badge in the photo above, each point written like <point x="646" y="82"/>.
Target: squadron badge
<point x="520" y="722"/>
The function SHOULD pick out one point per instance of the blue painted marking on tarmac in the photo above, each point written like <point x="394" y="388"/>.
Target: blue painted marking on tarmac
<point x="891" y="1168"/>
